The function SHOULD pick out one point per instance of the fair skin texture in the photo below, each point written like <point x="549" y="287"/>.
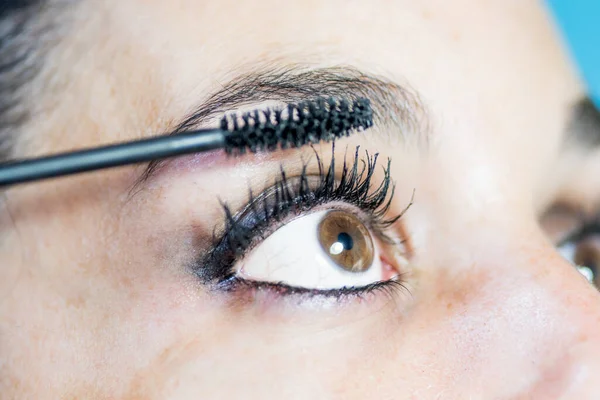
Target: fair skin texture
<point x="97" y="299"/>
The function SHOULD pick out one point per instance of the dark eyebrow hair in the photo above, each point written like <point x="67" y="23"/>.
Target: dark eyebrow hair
<point x="393" y="105"/>
<point x="391" y="102"/>
<point x="28" y="33"/>
<point x="584" y="126"/>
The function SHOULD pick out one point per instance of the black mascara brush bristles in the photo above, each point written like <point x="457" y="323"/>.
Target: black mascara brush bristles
<point x="308" y="122"/>
<point x="299" y="124"/>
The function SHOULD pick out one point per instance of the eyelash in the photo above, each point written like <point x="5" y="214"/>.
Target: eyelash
<point x="294" y="196"/>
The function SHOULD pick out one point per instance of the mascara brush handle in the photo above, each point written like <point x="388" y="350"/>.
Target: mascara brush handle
<point x="110" y="156"/>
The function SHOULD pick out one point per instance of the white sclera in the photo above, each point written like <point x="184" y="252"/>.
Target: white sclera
<point x="568" y="250"/>
<point x="587" y="272"/>
<point x="293" y="255"/>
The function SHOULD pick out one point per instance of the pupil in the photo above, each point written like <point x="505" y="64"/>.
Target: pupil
<point x="346" y="241"/>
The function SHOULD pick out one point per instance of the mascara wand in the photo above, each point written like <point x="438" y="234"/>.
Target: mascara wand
<point x="308" y="122"/>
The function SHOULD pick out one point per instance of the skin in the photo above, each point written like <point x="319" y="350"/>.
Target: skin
<point x="96" y="297"/>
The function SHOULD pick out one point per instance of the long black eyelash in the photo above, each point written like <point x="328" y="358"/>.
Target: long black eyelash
<point x="293" y="196"/>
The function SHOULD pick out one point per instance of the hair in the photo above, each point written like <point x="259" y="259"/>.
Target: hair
<point x="23" y="28"/>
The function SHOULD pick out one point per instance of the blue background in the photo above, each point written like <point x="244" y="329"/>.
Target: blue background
<point x="579" y="22"/>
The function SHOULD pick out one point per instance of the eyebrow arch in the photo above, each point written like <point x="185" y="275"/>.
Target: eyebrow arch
<point x="584" y="127"/>
<point x="394" y="106"/>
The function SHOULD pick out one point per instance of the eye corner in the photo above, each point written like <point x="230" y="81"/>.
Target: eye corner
<point x="576" y="234"/>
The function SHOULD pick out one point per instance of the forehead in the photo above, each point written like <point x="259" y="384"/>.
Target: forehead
<point x="202" y="39"/>
<point x="146" y="62"/>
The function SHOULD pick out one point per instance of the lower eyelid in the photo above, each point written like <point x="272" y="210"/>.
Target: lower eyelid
<point x="266" y="296"/>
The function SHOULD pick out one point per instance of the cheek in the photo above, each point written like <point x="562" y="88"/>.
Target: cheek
<point x="221" y="354"/>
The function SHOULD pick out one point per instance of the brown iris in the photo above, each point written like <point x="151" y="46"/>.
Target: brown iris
<point x="346" y="240"/>
<point x="587" y="254"/>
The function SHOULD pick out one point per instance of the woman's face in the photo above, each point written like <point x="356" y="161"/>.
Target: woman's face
<point x="117" y="286"/>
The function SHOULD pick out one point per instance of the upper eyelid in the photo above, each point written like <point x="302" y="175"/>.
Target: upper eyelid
<point x="327" y="205"/>
<point x="287" y="182"/>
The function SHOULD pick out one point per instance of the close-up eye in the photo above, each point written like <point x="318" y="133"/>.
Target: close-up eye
<point x="324" y="233"/>
<point x="577" y="239"/>
<point x="582" y="248"/>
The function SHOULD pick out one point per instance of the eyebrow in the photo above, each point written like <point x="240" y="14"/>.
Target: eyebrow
<point x="393" y="105"/>
<point x="584" y="127"/>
